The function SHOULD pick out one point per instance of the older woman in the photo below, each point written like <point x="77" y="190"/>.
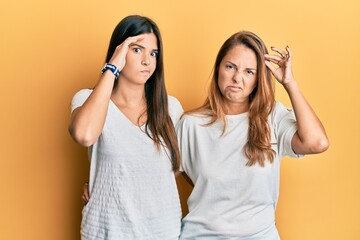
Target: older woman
<point x="231" y="146"/>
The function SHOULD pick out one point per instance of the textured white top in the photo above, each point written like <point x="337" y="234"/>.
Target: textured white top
<point x="132" y="185"/>
<point x="231" y="200"/>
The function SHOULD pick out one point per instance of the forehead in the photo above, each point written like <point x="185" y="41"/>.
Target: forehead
<point x="240" y="54"/>
<point x="149" y="41"/>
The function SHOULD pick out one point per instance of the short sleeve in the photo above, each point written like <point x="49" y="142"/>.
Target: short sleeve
<point x="175" y="109"/>
<point x="79" y="98"/>
<point x="183" y="133"/>
<point x="179" y="133"/>
<point x="284" y="127"/>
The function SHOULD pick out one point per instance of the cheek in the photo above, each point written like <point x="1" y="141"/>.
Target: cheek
<point x="222" y="77"/>
<point x="251" y="84"/>
<point x="130" y="56"/>
<point x="153" y="64"/>
<point x="130" y="62"/>
<point x="221" y="85"/>
<point x="220" y="81"/>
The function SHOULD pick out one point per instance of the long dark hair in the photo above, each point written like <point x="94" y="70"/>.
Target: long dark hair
<point x="159" y="126"/>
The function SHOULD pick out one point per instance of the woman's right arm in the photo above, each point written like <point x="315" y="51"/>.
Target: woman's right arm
<point x="87" y="121"/>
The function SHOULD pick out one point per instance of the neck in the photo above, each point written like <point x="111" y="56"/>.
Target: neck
<point x="129" y="95"/>
<point x="236" y="108"/>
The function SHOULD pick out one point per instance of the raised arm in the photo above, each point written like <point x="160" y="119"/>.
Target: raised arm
<point x="87" y="121"/>
<point x="311" y="136"/>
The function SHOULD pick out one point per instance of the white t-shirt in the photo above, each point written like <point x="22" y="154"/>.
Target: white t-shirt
<point x="132" y="185"/>
<point x="231" y="200"/>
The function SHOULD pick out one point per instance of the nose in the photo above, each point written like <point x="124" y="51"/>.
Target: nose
<point x="237" y="77"/>
<point x="145" y="61"/>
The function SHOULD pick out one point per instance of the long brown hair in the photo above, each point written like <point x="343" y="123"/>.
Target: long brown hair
<point x="262" y="99"/>
<point x="159" y="126"/>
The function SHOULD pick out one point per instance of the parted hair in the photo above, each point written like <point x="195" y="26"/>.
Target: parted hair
<point x="159" y="126"/>
<point x="261" y="100"/>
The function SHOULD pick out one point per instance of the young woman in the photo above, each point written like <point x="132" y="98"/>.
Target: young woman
<point x="127" y="121"/>
<point x="231" y="146"/>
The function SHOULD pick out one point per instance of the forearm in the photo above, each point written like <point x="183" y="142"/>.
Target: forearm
<point x="87" y="121"/>
<point x="311" y="134"/>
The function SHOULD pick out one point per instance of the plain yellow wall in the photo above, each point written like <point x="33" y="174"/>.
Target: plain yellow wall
<point x="51" y="49"/>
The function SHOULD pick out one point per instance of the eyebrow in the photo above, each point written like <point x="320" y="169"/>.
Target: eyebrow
<point x="140" y="46"/>
<point x="233" y="64"/>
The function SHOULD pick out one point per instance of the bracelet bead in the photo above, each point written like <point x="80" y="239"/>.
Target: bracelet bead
<point x="112" y="68"/>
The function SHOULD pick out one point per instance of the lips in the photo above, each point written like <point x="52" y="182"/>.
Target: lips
<point x="145" y="71"/>
<point x="234" y="88"/>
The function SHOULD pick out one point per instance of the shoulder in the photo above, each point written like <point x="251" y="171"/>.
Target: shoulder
<point x="194" y="119"/>
<point x="282" y="117"/>
<point x="187" y="123"/>
<point x="174" y="102"/>
<point x="279" y="106"/>
<point x="80" y="97"/>
<point x="279" y="111"/>
<point x="175" y="109"/>
<point x="83" y="93"/>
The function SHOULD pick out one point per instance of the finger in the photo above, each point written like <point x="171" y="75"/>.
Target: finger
<point x="137" y="38"/>
<point x="280" y="51"/>
<point x="130" y="40"/>
<point x="86" y="191"/>
<point x="270" y="66"/>
<point x="85" y="201"/>
<point x="134" y="39"/>
<point x="289" y="53"/>
<point x="273" y="58"/>
<point x="86" y="195"/>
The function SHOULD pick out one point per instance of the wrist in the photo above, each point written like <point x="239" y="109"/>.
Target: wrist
<point x="112" y="68"/>
<point x="290" y="85"/>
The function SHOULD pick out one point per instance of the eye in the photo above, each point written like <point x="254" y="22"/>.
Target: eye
<point x="137" y="50"/>
<point x="154" y="54"/>
<point x="250" y="72"/>
<point x="230" y="67"/>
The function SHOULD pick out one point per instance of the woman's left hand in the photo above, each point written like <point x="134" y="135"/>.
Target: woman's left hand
<point x="280" y="65"/>
<point x="86" y="194"/>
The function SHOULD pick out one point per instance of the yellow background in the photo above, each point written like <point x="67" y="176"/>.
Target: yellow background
<point x="51" y="49"/>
